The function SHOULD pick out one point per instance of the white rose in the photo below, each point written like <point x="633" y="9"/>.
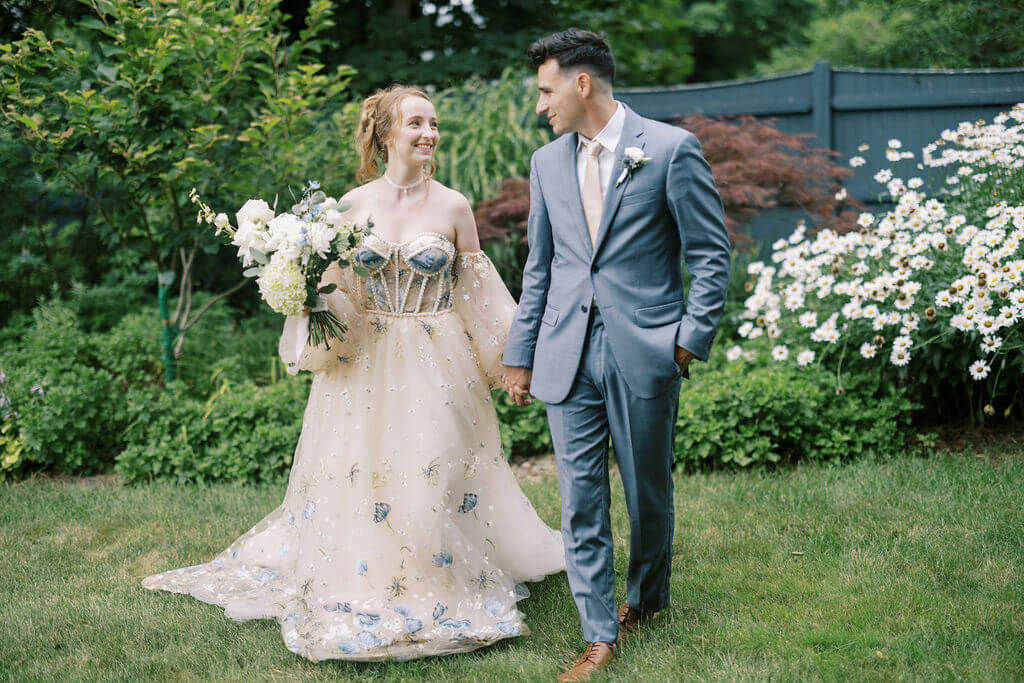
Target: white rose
<point x="320" y="237"/>
<point x="635" y="155"/>
<point x="255" y="211"/>
<point x="286" y="236"/>
<point x="249" y="238"/>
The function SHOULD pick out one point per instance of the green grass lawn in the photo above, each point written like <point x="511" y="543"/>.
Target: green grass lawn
<point x="904" y="568"/>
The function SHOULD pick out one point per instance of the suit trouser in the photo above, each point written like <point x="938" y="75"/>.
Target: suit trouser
<point x="601" y="404"/>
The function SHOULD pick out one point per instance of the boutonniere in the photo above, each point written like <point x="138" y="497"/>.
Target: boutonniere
<point x="632" y="159"/>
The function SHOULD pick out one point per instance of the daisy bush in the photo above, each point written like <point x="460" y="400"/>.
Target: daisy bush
<point x="928" y="295"/>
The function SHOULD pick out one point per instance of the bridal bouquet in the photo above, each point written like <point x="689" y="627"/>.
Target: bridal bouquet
<point x="288" y="253"/>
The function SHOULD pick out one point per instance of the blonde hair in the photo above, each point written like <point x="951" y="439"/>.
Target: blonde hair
<point x="380" y="114"/>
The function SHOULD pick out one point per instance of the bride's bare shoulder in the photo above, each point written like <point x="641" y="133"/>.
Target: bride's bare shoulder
<point x="358" y="196"/>
<point x="451" y="199"/>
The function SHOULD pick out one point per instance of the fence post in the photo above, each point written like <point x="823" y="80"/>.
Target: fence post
<point x="821" y="103"/>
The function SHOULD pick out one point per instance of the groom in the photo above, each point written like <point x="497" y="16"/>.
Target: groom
<point x="603" y="333"/>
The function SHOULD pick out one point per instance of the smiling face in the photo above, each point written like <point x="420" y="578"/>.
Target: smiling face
<point x="415" y="136"/>
<point x="561" y="98"/>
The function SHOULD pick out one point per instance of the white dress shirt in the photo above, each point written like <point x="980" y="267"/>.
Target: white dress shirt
<point x="609" y="139"/>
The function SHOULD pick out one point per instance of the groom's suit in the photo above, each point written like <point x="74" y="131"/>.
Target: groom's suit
<point x="598" y="322"/>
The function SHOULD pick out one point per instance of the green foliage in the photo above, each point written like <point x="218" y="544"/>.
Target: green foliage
<point x="147" y="99"/>
<point x="524" y="429"/>
<point x="69" y="378"/>
<point x="907" y="34"/>
<point x="730" y="36"/>
<point x="488" y="132"/>
<point x="743" y="417"/>
<point x="242" y="433"/>
<point x="62" y="408"/>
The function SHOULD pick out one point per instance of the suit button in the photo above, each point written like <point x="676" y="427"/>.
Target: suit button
<point x="583" y="308"/>
<point x="594" y="269"/>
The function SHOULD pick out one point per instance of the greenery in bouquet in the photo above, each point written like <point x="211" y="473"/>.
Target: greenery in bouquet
<point x="288" y="253"/>
<point x="929" y="294"/>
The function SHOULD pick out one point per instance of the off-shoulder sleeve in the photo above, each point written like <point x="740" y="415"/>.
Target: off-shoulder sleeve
<point x="344" y="301"/>
<point x="482" y="300"/>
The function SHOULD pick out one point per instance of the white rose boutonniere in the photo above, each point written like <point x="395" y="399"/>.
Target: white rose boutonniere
<point x="632" y="158"/>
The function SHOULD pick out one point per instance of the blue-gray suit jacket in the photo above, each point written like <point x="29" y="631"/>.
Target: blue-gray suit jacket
<point x="664" y="210"/>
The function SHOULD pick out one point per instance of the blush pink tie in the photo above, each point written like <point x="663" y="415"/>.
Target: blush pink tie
<point x="592" y="202"/>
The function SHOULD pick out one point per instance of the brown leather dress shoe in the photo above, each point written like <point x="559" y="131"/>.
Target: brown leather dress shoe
<point x="596" y="656"/>
<point x="630" y="620"/>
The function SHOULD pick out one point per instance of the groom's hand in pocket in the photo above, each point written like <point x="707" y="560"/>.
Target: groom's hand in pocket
<point x="683" y="358"/>
<point x="517" y="384"/>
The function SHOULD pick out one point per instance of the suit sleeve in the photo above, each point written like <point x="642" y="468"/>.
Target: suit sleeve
<point x="522" y="338"/>
<point x="696" y="207"/>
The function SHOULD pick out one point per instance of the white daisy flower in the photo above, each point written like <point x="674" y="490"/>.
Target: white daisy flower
<point x="899" y="357"/>
<point x="805" y="357"/>
<point x="868" y="350"/>
<point x="979" y="370"/>
<point x="780" y="352"/>
<point x="733" y="353"/>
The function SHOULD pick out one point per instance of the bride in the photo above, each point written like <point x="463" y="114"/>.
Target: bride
<point x="403" y="532"/>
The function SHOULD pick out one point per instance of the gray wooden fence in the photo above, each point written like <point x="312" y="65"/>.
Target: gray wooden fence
<point x="845" y="108"/>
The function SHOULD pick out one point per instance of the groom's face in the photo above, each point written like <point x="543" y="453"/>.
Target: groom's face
<point x="560" y="99"/>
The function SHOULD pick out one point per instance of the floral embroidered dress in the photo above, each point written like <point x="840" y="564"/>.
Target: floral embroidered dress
<point x="403" y="532"/>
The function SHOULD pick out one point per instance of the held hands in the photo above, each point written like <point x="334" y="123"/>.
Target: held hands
<point x="517" y="383"/>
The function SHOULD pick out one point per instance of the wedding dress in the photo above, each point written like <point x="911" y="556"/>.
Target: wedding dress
<point x="403" y="532"/>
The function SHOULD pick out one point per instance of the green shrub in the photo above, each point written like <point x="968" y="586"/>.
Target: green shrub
<point x="524" y="430"/>
<point x="242" y="433"/>
<point x="61" y="407"/>
<point x="743" y="417"/>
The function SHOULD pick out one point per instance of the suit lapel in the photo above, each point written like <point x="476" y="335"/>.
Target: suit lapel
<point x="573" y="191"/>
<point x="632" y="136"/>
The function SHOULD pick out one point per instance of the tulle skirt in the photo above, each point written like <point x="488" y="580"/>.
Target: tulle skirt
<point x="403" y="532"/>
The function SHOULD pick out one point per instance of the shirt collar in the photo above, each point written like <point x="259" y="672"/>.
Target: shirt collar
<point x="610" y="134"/>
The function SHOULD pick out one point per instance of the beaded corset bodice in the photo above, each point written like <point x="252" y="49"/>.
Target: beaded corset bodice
<point x="414" y="277"/>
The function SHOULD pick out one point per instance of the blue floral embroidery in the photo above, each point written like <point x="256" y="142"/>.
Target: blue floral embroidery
<point x="468" y="503"/>
<point x="494" y="607"/>
<point x="454" y="624"/>
<point x="403" y="610"/>
<point x="508" y="628"/>
<point x="367" y="619"/>
<point x="234" y="555"/>
<point x="413" y="625"/>
<point x="361" y="567"/>
<point x="309" y="510"/>
<point x="380" y="512"/>
<point x="442" y="559"/>
<point x="369" y="640"/>
<point x="342" y="359"/>
<point x="348" y="647"/>
<point x="439" y="610"/>
<point x="291" y="517"/>
<point x="337" y="607"/>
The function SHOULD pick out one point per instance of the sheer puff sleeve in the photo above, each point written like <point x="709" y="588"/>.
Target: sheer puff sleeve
<point x="482" y="300"/>
<point x="297" y="354"/>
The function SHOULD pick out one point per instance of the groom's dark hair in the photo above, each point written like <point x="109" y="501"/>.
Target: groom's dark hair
<point x="576" y="48"/>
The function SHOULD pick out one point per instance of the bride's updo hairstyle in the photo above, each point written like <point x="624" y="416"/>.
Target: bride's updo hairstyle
<point x="380" y="114"/>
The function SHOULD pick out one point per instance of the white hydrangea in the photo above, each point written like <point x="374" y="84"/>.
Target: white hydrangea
<point x="283" y="285"/>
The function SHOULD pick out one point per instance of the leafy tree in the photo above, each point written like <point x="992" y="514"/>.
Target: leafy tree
<point x="444" y="43"/>
<point x="731" y="36"/>
<point x="908" y="34"/>
<point x="150" y="98"/>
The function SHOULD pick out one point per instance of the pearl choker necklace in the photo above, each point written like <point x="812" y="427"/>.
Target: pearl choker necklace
<point x="404" y="188"/>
